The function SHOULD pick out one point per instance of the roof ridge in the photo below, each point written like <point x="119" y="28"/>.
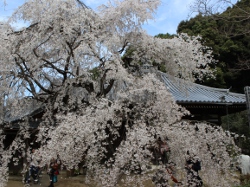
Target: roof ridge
<point x="199" y="93"/>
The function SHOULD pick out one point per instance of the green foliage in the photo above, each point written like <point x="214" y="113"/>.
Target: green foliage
<point x="229" y="37"/>
<point x="160" y="67"/>
<point x="127" y="57"/>
<point x="129" y="52"/>
<point x="245" y="185"/>
<point x="245" y="181"/>
<point x="165" y="36"/>
<point x="163" y="68"/>
<point x="95" y="73"/>
<point x="219" y="77"/>
<point x="238" y="123"/>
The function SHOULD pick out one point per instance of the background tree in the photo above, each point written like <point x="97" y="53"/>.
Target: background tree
<point x="68" y="60"/>
<point x="238" y="124"/>
<point x="226" y="33"/>
<point x="165" y="36"/>
<point x="227" y="11"/>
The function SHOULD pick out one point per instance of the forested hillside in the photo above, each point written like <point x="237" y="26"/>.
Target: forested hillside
<point x="228" y="34"/>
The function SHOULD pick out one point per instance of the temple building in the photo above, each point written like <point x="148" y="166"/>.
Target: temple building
<point x="204" y="103"/>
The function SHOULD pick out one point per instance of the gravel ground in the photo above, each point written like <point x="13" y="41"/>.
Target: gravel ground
<point x="16" y="181"/>
<point x="61" y="183"/>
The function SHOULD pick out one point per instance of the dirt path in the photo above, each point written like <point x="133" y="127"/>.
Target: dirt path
<point x="61" y="183"/>
<point x="44" y="182"/>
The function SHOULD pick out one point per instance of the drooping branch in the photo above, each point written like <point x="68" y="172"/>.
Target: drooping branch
<point x="103" y="90"/>
<point x="109" y="87"/>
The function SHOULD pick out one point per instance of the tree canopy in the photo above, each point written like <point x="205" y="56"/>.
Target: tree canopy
<point x="95" y="109"/>
<point x="227" y="33"/>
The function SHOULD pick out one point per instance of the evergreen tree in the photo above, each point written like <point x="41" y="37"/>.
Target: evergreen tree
<point x="227" y="33"/>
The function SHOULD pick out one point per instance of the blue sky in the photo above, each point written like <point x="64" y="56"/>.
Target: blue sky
<point x="167" y="18"/>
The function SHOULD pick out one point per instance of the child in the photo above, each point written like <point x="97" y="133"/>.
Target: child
<point x="53" y="171"/>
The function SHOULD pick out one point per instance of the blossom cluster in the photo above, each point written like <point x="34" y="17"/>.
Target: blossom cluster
<point x="106" y="121"/>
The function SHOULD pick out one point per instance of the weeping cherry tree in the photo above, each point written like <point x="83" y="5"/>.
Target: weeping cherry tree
<point x="68" y="60"/>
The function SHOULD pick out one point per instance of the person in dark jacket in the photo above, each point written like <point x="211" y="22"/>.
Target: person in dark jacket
<point x="192" y="167"/>
<point x="53" y="172"/>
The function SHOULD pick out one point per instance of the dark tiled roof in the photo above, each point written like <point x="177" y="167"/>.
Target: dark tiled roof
<point x="188" y="92"/>
<point x="27" y="107"/>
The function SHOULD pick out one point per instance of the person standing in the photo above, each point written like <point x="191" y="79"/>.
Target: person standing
<point x="192" y="167"/>
<point x="33" y="167"/>
<point x="53" y="172"/>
